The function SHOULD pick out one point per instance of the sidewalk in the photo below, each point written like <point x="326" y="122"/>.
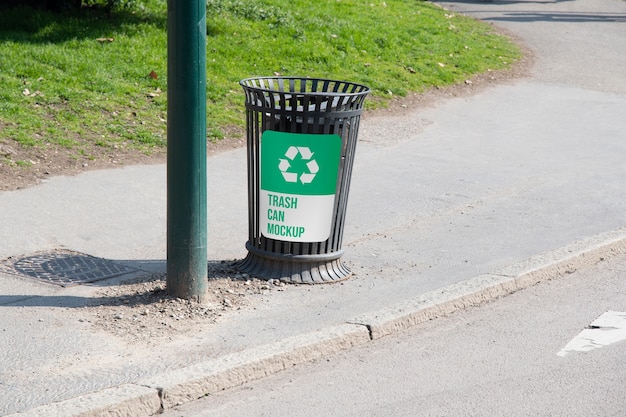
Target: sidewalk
<point x="454" y="204"/>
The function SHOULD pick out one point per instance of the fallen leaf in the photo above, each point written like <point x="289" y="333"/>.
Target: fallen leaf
<point x="105" y="39"/>
<point x="153" y="75"/>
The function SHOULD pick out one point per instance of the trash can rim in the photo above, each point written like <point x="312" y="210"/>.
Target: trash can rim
<point x="363" y="89"/>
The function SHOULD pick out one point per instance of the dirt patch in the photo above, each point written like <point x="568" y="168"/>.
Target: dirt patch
<point x="141" y="311"/>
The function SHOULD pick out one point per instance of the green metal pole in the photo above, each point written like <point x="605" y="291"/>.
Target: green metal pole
<point x="186" y="150"/>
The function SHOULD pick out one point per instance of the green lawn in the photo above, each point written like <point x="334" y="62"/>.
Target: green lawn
<point x="98" y="79"/>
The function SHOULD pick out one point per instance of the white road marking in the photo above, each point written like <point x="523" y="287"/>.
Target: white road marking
<point x="607" y="329"/>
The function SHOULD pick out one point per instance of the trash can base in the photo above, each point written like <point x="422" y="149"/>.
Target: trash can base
<point x="295" y="269"/>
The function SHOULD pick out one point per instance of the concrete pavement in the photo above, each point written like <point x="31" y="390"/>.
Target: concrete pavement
<point x="450" y="205"/>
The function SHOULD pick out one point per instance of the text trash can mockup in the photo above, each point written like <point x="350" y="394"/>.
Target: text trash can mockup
<point x="301" y="135"/>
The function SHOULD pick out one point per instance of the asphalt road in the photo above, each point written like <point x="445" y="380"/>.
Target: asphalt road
<point x="506" y="358"/>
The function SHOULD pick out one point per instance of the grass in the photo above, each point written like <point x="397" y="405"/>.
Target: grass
<point x="99" y="79"/>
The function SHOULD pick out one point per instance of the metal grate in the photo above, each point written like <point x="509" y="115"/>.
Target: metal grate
<point x="63" y="267"/>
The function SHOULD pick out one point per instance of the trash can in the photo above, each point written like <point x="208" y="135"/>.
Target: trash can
<point x="301" y="140"/>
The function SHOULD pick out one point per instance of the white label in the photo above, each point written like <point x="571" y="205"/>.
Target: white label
<point x="295" y="217"/>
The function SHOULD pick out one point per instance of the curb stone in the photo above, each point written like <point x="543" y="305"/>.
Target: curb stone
<point x="152" y="395"/>
<point x="124" y="400"/>
<point x="488" y="287"/>
<point x="193" y="382"/>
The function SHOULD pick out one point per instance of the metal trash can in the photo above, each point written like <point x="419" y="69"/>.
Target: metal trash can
<point x="301" y="140"/>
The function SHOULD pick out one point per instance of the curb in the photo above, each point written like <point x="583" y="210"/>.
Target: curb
<point x="189" y="384"/>
<point x="152" y="395"/>
<point x="124" y="400"/>
<point x="489" y="287"/>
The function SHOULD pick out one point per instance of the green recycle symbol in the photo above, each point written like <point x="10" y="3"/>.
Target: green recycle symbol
<point x="305" y="155"/>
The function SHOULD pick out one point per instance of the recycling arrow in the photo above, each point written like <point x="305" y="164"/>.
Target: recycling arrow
<point x="306" y="155"/>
